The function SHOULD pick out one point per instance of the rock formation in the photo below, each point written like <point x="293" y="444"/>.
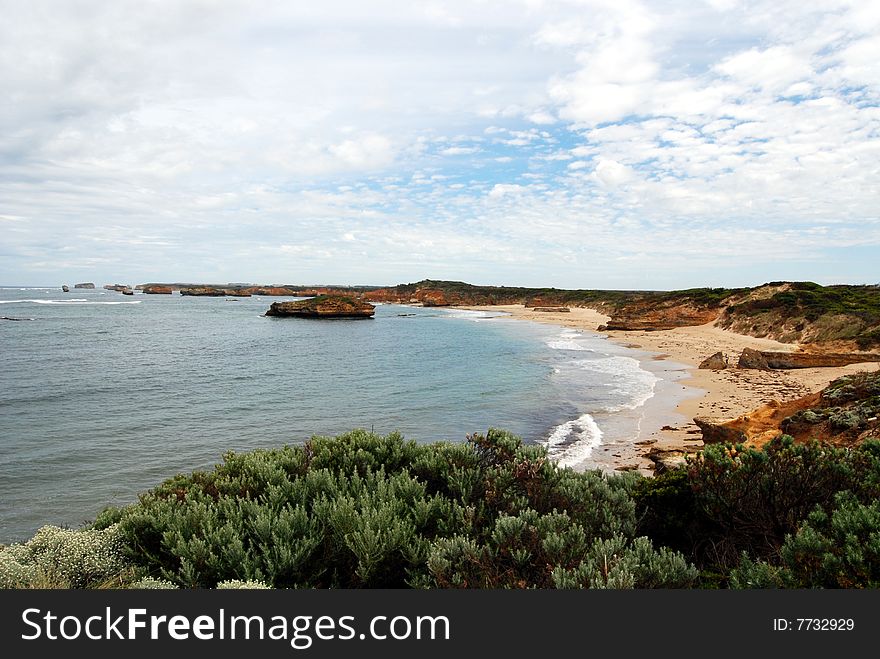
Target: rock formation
<point x="649" y="316"/>
<point x="845" y="413"/>
<point x="119" y="288"/>
<point x="667" y="459"/>
<point x="272" y="291"/>
<point x="323" y="306"/>
<point x="127" y="291"/>
<point x="433" y="298"/>
<point x="87" y="284"/>
<point x="552" y="309"/>
<point x="156" y="289"/>
<point x="719" y="432"/>
<point x="752" y="359"/>
<point x="786" y="360"/>
<point x="203" y="291"/>
<point x="766" y="359"/>
<point x="716" y="362"/>
<point x="208" y="291"/>
<point x="65" y="288"/>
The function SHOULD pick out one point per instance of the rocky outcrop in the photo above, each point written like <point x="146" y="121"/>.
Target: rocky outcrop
<point x="845" y="413"/>
<point x="87" y="284"/>
<point x="272" y="291"/>
<point x="719" y="432"/>
<point x="649" y="317"/>
<point x="157" y="289"/>
<point x="716" y="362"/>
<point x="552" y="309"/>
<point x="427" y="297"/>
<point x="752" y="359"/>
<point x="667" y="459"/>
<point x="768" y="359"/>
<point x="432" y="298"/>
<point x="203" y="291"/>
<point x="208" y="291"/>
<point x="119" y="288"/>
<point x="323" y="306"/>
<point x="65" y="288"/>
<point x="540" y="302"/>
<point x="788" y="360"/>
<point x="127" y="291"/>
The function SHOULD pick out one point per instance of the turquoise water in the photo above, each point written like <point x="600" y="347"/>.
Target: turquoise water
<point x="104" y="395"/>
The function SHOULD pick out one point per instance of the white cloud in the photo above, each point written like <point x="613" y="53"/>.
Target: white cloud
<point x="365" y="153"/>
<point x="459" y="150"/>
<point x="610" y="172"/>
<point x="502" y="189"/>
<point x="772" y="70"/>
<point x="541" y="117"/>
<point x="146" y="139"/>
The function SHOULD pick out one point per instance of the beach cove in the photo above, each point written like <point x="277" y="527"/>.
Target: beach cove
<point x="685" y="391"/>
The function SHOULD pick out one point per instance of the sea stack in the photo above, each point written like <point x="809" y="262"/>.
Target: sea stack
<point x="323" y="306"/>
<point x="65" y="288"/>
<point x="87" y="284"/>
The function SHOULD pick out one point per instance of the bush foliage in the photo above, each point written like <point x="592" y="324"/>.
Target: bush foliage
<point x="365" y="511"/>
<point x="362" y="510"/>
<point x="729" y="502"/>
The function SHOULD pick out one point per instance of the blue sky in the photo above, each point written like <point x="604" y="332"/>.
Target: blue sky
<point x="579" y="144"/>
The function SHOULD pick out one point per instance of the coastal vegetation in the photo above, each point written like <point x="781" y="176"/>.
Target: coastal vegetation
<point x="368" y="511"/>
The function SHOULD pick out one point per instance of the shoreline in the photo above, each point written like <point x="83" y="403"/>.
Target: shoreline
<point x="710" y="394"/>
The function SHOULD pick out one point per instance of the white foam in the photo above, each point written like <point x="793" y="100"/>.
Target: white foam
<point x="572" y="442"/>
<point x="72" y="301"/>
<point x="469" y="314"/>
<point x="568" y="345"/>
<point x="632" y="380"/>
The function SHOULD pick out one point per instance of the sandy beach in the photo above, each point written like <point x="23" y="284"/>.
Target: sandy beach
<point x="715" y="395"/>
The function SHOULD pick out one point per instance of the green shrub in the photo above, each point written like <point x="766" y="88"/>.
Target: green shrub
<point x="840" y="549"/>
<point x="730" y="500"/>
<point x="368" y="511"/>
<point x="618" y="563"/>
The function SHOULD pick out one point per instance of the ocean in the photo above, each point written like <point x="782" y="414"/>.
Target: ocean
<point x="103" y="396"/>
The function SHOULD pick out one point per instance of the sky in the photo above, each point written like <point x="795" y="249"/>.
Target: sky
<point x="570" y="143"/>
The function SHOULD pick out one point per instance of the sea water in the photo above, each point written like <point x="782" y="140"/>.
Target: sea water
<point x="103" y="396"/>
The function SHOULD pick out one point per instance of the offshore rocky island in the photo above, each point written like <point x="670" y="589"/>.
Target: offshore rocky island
<point x="323" y="306"/>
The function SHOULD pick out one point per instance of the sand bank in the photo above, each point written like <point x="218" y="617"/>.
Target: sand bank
<point x="717" y="395"/>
